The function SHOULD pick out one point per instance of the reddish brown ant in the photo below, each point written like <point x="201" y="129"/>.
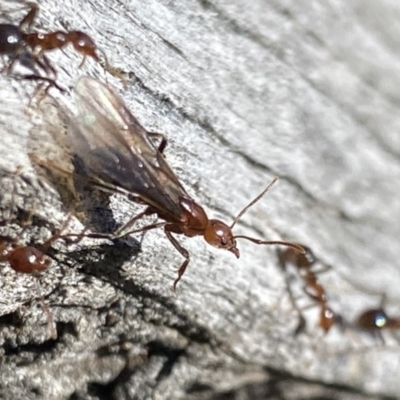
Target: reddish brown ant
<point x="312" y="287"/>
<point x="119" y="155"/>
<point x="30" y="260"/>
<point x="81" y="42"/>
<point x="13" y="45"/>
<point x="21" y="46"/>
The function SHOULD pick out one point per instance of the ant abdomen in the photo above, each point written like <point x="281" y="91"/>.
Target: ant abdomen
<point x="10" y="39"/>
<point x="28" y="260"/>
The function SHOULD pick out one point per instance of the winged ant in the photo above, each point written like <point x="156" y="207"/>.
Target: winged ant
<point x="120" y="156"/>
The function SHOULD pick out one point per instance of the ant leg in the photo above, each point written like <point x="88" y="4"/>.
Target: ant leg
<point x="11" y="207"/>
<point x="11" y="62"/>
<point x="112" y="236"/>
<point x="27" y="221"/>
<point x="130" y="223"/>
<point x="49" y="315"/>
<point x="44" y="63"/>
<point x="301" y="325"/>
<point x="383" y="300"/>
<point x="83" y="61"/>
<point x="3" y="60"/>
<point x="16" y="174"/>
<point x="36" y="93"/>
<point x="50" y="321"/>
<point x="143" y="229"/>
<point x="51" y="82"/>
<point x="30" y="17"/>
<point x="31" y="61"/>
<point x="162" y="138"/>
<point x="322" y="270"/>
<point x="181" y="250"/>
<point x="58" y="233"/>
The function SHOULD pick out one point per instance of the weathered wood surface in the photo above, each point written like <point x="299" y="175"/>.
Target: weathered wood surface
<point x="307" y="91"/>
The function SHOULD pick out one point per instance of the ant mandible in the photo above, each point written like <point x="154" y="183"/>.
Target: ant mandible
<point x="13" y="45"/>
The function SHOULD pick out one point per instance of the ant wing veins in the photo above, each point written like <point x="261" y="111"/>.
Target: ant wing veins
<point x="117" y="151"/>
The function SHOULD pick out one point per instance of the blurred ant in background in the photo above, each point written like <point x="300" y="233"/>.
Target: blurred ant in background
<point x="29" y="259"/>
<point x="372" y="320"/>
<point x="312" y="287"/>
<point x="27" y="48"/>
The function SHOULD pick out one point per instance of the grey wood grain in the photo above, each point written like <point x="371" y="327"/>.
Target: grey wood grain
<point x="244" y="91"/>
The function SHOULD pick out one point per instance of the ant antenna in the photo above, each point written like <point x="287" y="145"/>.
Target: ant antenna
<point x="294" y="246"/>
<point x="253" y="201"/>
<point x="112" y="70"/>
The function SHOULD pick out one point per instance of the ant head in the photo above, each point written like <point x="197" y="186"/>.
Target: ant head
<point x="84" y="44"/>
<point x="220" y="235"/>
<point x="373" y="319"/>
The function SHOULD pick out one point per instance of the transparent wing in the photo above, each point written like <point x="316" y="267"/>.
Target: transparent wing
<point x="116" y="149"/>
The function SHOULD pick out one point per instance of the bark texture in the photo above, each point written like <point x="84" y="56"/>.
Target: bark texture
<point x="244" y="90"/>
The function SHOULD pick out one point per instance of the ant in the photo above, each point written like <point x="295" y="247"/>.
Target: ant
<point x="372" y="321"/>
<point x="81" y="42"/>
<point x="30" y="259"/>
<point x="312" y="287"/>
<point x="12" y="45"/>
<point x="22" y="47"/>
<point x="119" y="155"/>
